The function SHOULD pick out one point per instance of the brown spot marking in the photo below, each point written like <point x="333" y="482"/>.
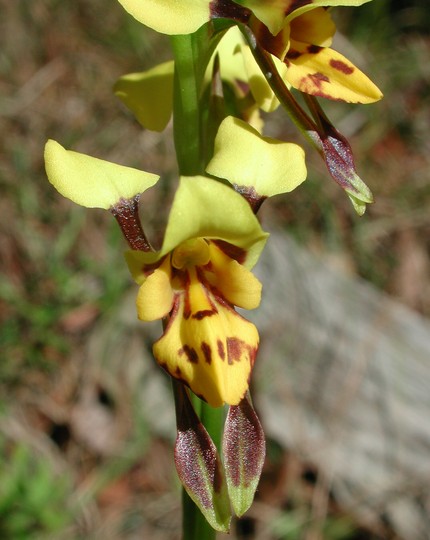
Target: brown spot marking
<point x="178" y="372"/>
<point x="221" y="349"/>
<point x="199" y="315"/>
<point x="292" y="55"/>
<point x="190" y="353"/>
<point x="207" y="352"/>
<point x="313" y="49"/>
<point x="313" y="86"/>
<point x="235" y="348"/>
<point x="341" y="66"/>
<point x="317" y="79"/>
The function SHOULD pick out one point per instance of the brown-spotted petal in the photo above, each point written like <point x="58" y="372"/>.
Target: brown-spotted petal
<point x="323" y="72"/>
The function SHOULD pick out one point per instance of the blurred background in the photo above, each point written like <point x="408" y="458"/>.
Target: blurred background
<point x="86" y="417"/>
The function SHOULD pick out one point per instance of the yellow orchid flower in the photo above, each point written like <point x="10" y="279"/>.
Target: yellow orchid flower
<point x="202" y="271"/>
<point x="303" y="44"/>
<point x="297" y="33"/>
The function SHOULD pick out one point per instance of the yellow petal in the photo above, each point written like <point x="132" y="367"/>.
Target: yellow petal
<point x="325" y="73"/>
<point x="236" y="283"/>
<point x="315" y="26"/>
<point x="191" y="253"/>
<point x="169" y="16"/>
<point x="155" y="297"/>
<point x="213" y="355"/>
<point x="270" y="12"/>
<point x="136" y="265"/>
<point x="93" y="182"/>
<point x="200" y="210"/>
<point x="149" y="95"/>
<point x="245" y="158"/>
<point x="190" y="219"/>
<point x="198" y="304"/>
<point x="230" y="59"/>
<point x="292" y="11"/>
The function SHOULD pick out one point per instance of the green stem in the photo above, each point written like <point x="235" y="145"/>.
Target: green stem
<point x="194" y="525"/>
<point x="192" y="53"/>
<point x="186" y="102"/>
<point x="213" y="420"/>
<point x="190" y="104"/>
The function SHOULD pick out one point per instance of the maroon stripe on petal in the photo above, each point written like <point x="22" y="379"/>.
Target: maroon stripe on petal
<point x="341" y="66"/>
<point x="207" y="352"/>
<point x="234" y="252"/>
<point x="199" y="315"/>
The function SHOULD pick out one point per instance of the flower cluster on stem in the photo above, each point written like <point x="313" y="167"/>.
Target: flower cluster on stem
<point x="232" y="60"/>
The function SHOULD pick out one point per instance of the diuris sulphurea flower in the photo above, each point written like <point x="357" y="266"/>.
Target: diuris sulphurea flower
<point x="194" y="283"/>
<point x="232" y="59"/>
<point x="212" y="241"/>
<point x="202" y="271"/>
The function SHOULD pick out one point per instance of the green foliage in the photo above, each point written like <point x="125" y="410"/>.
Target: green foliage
<point x="33" y="500"/>
<point x="292" y="524"/>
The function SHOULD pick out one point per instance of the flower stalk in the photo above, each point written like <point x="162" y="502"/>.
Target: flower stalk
<point x="188" y="137"/>
<point x="126" y="213"/>
<point x="232" y="59"/>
